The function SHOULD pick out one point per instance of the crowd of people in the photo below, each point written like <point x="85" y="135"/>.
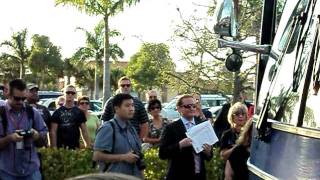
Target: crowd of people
<point x="126" y="129"/>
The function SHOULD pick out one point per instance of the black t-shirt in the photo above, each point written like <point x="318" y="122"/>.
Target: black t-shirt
<point x="69" y="121"/>
<point x="228" y="139"/>
<point x="45" y="114"/>
<point x="238" y="161"/>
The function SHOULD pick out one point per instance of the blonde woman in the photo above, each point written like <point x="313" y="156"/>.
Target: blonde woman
<point x="236" y="166"/>
<point x="60" y="101"/>
<point x="237" y="118"/>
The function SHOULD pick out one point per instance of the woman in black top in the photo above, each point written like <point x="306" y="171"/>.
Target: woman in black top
<point x="237" y="117"/>
<point x="156" y="124"/>
<point x="236" y="167"/>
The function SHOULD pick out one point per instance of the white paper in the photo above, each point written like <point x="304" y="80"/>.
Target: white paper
<point x="201" y="134"/>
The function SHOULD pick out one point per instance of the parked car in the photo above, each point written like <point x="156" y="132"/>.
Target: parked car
<point x="214" y="111"/>
<point x="170" y="112"/>
<point x="49" y="94"/>
<point x="95" y="106"/>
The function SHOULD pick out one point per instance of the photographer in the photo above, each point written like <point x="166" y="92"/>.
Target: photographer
<point x="20" y="126"/>
<point x="117" y="142"/>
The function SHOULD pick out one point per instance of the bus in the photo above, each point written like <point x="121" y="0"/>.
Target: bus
<point x="286" y="134"/>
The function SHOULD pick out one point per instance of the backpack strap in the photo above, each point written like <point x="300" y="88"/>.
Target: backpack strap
<point x="113" y="136"/>
<point x="30" y="114"/>
<point x="4" y="119"/>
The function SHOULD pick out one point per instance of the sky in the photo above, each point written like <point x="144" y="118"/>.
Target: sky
<point x="147" y="21"/>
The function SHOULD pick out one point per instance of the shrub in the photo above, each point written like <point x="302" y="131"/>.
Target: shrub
<point x="156" y="168"/>
<point x="60" y="164"/>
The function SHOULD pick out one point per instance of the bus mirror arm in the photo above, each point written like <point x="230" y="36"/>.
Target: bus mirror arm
<point x="262" y="125"/>
<point x="262" y="49"/>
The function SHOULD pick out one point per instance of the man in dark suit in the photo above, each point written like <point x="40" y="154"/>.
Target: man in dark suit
<point x="184" y="163"/>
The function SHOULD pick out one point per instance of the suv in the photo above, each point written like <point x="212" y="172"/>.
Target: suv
<point x="170" y="112"/>
<point x="49" y="94"/>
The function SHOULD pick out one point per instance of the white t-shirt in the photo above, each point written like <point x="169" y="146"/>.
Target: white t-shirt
<point x="2" y="102"/>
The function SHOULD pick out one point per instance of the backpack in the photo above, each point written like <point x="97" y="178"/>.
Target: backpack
<point x="103" y="166"/>
<point x="3" y="115"/>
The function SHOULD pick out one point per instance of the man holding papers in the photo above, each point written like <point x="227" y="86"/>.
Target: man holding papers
<point x="176" y="147"/>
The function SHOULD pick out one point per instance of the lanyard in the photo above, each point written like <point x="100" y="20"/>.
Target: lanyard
<point x="16" y="122"/>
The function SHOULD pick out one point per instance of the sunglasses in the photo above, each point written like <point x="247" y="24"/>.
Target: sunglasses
<point x="16" y="98"/>
<point x="70" y="92"/>
<point x="125" y="85"/>
<point x="189" y="106"/>
<point x="155" y="107"/>
<point x="84" y="103"/>
<point x="239" y="113"/>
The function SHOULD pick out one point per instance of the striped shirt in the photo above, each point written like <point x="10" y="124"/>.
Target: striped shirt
<point x="140" y="113"/>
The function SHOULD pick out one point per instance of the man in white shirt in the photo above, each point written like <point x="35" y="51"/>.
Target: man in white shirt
<point x="5" y="90"/>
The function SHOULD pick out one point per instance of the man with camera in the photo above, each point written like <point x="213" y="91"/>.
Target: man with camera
<point x="117" y="141"/>
<point x="20" y="127"/>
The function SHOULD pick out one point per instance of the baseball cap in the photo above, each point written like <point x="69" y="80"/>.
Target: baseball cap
<point x="32" y="86"/>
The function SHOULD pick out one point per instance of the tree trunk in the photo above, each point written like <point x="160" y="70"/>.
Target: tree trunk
<point x="106" y="63"/>
<point x="68" y="80"/>
<point x="21" y="70"/>
<point x="236" y="87"/>
<point x="96" y="80"/>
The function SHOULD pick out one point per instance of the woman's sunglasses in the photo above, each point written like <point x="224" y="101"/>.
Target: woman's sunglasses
<point x="84" y="103"/>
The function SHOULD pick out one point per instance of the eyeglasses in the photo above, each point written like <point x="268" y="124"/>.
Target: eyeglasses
<point x="70" y="92"/>
<point x="84" y="103"/>
<point x="239" y="113"/>
<point x="189" y="106"/>
<point x="155" y="107"/>
<point x="16" y="98"/>
<point x="125" y="85"/>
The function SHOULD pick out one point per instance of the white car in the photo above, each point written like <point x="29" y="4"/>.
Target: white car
<point x="170" y="112"/>
<point x="95" y="106"/>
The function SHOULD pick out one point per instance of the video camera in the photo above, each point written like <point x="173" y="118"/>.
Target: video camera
<point x="24" y="133"/>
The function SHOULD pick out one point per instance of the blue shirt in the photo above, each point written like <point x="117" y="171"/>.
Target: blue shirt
<point x="126" y="140"/>
<point x="186" y="123"/>
<point x="25" y="161"/>
<point x="196" y="156"/>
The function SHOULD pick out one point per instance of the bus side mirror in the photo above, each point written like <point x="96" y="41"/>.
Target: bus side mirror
<point x="226" y="23"/>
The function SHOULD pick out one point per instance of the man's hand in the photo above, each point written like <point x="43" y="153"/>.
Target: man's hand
<point x="186" y="142"/>
<point x="35" y="134"/>
<point x="130" y="157"/>
<point x="15" y="137"/>
<point x="207" y="149"/>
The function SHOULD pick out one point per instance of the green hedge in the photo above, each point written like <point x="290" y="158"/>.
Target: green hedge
<point x="59" y="164"/>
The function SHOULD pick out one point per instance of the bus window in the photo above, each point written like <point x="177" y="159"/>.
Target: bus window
<point x="286" y="34"/>
<point x="311" y="118"/>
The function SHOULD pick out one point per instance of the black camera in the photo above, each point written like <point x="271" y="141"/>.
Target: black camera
<point x="140" y="162"/>
<point x="25" y="133"/>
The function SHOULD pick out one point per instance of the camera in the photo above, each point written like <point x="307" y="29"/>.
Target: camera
<point x="25" y="133"/>
<point x="140" y="162"/>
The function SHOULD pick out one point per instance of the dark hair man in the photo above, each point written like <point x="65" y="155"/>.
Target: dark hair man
<point x="184" y="163"/>
<point x="66" y="123"/>
<point x="21" y="125"/>
<point x="32" y="100"/>
<point x="140" y="118"/>
<point x="117" y="142"/>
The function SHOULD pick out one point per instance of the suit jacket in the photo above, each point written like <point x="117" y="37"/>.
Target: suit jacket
<point x="181" y="161"/>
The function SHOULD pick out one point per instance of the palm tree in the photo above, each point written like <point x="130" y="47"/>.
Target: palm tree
<point x="106" y="8"/>
<point x="94" y="50"/>
<point x="18" y="51"/>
